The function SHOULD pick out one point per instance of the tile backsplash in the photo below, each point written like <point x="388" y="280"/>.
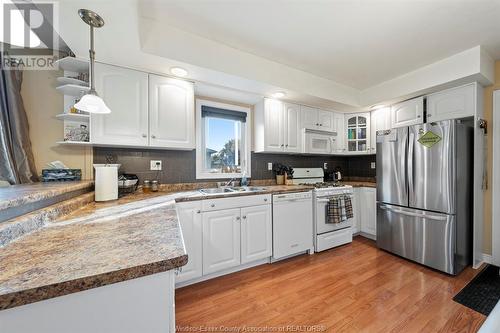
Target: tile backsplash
<point x="179" y="166"/>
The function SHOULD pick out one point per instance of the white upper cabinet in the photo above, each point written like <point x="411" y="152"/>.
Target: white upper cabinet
<point x="291" y="130"/>
<point x="408" y="113"/>
<point x="317" y="119"/>
<point x="277" y="127"/>
<point x="453" y="103"/>
<point x="339" y="128"/>
<point x="358" y="132"/>
<point x="256" y="233"/>
<point x="171" y="113"/>
<point x="380" y="120"/>
<point x="125" y="92"/>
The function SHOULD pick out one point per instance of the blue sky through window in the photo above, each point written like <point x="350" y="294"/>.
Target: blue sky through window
<point x="219" y="131"/>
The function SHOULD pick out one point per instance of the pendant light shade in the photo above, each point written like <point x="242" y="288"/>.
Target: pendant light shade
<point x="91" y="102"/>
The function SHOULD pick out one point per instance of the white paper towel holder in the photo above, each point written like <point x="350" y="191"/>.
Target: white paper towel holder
<point x="106" y="181"/>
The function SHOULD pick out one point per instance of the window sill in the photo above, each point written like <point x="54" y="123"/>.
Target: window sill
<point x="219" y="175"/>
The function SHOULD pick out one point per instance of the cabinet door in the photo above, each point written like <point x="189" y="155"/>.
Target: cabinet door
<point x="309" y="117"/>
<point x="221" y="240"/>
<point x="292" y="133"/>
<point x="171" y="113"/>
<point x="358" y="132"/>
<point x="325" y="120"/>
<point x="380" y="120"/>
<point x="273" y="125"/>
<point x="356" y="222"/>
<point x="339" y="128"/>
<point x="125" y="92"/>
<point x="451" y="104"/>
<point x="256" y="233"/>
<point x="367" y="207"/>
<point x="407" y="113"/>
<point x="190" y="221"/>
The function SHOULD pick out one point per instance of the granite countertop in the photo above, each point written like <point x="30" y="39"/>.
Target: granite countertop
<point x="273" y="189"/>
<point x="360" y="183"/>
<point x="92" y="247"/>
<point x="18" y="195"/>
<point x="99" y="244"/>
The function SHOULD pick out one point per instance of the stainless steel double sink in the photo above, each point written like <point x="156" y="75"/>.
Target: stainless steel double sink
<point x="229" y="190"/>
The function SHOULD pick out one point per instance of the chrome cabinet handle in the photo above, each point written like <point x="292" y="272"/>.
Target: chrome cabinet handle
<point x="244" y="217"/>
<point x="429" y="115"/>
<point x="212" y="205"/>
<point x="237" y="218"/>
<point x="198" y="211"/>
<point x="144" y="136"/>
<point x="265" y="199"/>
<point x="153" y="136"/>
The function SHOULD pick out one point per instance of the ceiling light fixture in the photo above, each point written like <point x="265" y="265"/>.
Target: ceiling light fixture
<point x="378" y="106"/>
<point x="178" y="71"/>
<point x="279" y="94"/>
<point x="91" y="102"/>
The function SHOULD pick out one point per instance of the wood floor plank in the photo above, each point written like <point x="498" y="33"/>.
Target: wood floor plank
<point x="352" y="288"/>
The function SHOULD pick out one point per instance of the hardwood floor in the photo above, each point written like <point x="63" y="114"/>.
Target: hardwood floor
<point x="353" y="288"/>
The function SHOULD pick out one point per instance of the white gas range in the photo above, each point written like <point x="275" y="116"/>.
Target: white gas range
<point x="326" y="235"/>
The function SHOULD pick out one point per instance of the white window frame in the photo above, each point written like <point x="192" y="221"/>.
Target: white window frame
<point x="201" y="173"/>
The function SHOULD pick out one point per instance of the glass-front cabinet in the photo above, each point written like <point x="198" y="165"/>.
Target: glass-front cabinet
<point x="358" y="132"/>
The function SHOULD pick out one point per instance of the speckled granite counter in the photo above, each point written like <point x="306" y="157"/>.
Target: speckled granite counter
<point x="18" y="195"/>
<point x="93" y="247"/>
<point x="99" y="244"/>
<point x="274" y="189"/>
<point x="360" y="183"/>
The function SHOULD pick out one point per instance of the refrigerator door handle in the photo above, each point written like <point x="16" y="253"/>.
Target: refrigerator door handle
<point x="411" y="142"/>
<point x="423" y="216"/>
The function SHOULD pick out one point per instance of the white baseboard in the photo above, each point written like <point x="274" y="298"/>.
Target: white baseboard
<point x="487" y="258"/>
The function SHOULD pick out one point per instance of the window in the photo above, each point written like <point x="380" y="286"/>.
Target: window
<point x="222" y="140"/>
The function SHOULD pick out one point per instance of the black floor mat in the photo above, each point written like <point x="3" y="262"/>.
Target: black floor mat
<point x="483" y="292"/>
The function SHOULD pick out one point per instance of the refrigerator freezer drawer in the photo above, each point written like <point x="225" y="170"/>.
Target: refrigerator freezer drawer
<point x="425" y="237"/>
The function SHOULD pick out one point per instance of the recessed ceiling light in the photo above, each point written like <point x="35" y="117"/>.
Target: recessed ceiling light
<point x="378" y="106"/>
<point x="178" y="71"/>
<point x="279" y="94"/>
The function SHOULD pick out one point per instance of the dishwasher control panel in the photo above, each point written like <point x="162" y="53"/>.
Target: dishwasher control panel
<point x="292" y="196"/>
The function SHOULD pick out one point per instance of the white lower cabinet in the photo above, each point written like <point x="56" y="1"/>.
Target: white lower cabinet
<point x="189" y="214"/>
<point x="221" y="240"/>
<point x="356" y="221"/>
<point x="367" y="210"/>
<point x="256" y="233"/>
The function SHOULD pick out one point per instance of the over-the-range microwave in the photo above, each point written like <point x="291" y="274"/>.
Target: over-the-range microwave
<point x="318" y="142"/>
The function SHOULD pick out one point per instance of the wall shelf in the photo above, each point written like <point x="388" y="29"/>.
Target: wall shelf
<point x="69" y="80"/>
<point x="78" y="143"/>
<point x="72" y="64"/>
<point x="72" y="89"/>
<point x="73" y="117"/>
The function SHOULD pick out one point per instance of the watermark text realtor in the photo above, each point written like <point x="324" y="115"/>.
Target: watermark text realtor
<point x="29" y="36"/>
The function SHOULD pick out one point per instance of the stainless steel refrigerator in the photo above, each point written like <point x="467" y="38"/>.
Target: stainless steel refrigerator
<point x="424" y="193"/>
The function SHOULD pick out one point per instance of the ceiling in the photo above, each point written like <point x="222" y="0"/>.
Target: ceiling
<point x="357" y="43"/>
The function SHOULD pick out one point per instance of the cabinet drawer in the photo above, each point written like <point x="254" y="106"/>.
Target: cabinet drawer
<point x="332" y="239"/>
<point x="236" y="202"/>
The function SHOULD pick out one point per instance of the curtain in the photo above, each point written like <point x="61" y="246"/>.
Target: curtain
<point x="17" y="165"/>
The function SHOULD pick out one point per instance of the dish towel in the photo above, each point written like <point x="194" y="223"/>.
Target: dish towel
<point x="333" y="211"/>
<point x="339" y="209"/>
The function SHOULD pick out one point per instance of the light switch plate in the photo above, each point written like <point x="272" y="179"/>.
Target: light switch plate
<point x="325" y="165"/>
<point x="155" y="165"/>
<point x="372" y="165"/>
<point x="269" y="166"/>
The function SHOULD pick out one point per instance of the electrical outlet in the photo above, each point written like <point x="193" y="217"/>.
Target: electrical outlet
<point x="155" y="165"/>
<point x="325" y="165"/>
<point x="372" y="165"/>
<point x="269" y="166"/>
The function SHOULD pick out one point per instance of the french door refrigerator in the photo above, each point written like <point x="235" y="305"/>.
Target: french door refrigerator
<point x="424" y="193"/>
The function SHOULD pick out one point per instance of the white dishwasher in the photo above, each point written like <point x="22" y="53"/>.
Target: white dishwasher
<point x="292" y="224"/>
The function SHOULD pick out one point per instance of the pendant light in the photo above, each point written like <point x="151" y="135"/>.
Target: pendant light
<point x="91" y="102"/>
